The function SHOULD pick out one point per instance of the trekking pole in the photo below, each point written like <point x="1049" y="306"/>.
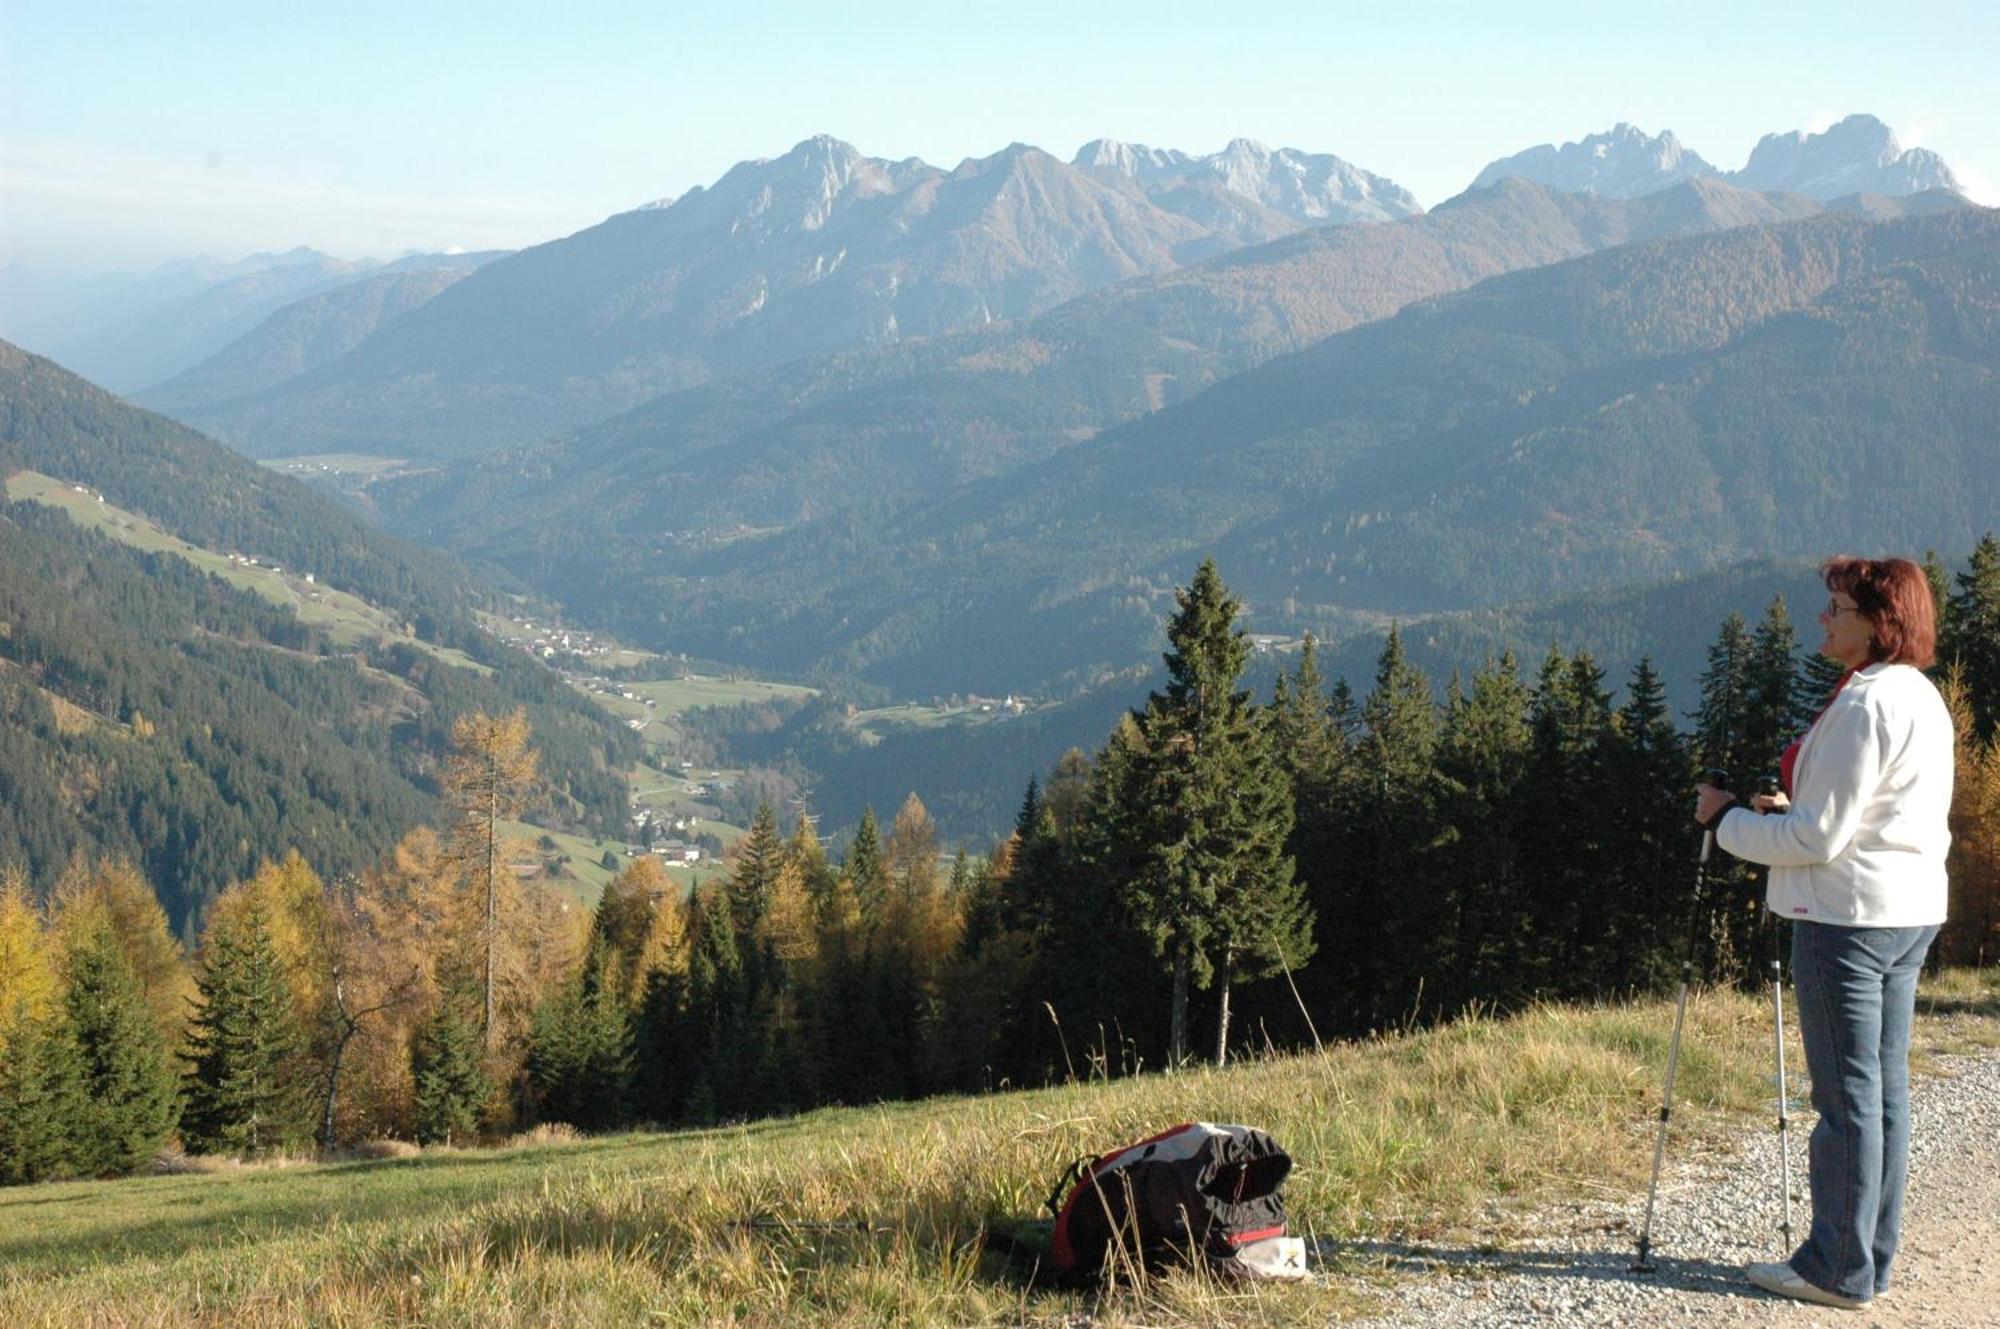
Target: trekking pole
<point x="1644" y="1264"/>
<point x="1769" y="785"/>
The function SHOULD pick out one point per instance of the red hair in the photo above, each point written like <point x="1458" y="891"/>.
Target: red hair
<point x="1894" y="595"/>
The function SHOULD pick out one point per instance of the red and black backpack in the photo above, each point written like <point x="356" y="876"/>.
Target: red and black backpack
<point x="1194" y="1190"/>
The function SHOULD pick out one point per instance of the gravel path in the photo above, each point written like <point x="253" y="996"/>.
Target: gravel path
<point x="1717" y="1213"/>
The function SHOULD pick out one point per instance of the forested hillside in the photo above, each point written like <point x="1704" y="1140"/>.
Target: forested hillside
<point x="157" y="712"/>
<point x="827" y="441"/>
<point x="1661" y="408"/>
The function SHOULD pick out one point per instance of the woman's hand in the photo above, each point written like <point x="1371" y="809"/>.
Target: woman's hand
<point x="1709" y="803"/>
<point x="1764" y="803"/>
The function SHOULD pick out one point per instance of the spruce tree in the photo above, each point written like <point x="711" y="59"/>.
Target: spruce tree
<point x="863" y="865"/>
<point x="1482" y="757"/>
<point x="1216" y="890"/>
<point x="245" y="1092"/>
<point x="1722" y="722"/>
<point x="753" y="868"/>
<point x="1939" y="581"/>
<point x="1975" y="634"/>
<point x="1818" y="677"/>
<point x="43" y="1109"/>
<point x="128" y="1074"/>
<point x="1645" y="796"/>
<point x="579" y="1063"/>
<point x="1382" y="917"/>
<point x="452" y="1088"/>
<point x="1778" y="708"/>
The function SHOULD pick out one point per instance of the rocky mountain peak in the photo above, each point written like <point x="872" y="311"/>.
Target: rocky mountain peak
<point x="1623" y="162"/>
<point x="1129" y="159"/>
<point x="1858" y="155"/>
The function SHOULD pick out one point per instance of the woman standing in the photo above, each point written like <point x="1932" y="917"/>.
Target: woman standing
<point x="1857" y="854"/>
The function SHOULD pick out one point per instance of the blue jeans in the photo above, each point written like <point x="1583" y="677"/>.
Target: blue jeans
<point x="1857" y="989"/>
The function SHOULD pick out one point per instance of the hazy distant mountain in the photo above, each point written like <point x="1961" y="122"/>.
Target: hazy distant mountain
<point x="833" y="452"/>
<point x="128" y="333"/>
<point x="1857" y="156"/>
<point x="311" y="332"/>
<point x="1314" y="188"/>
<point x="1624" y="163"/>
<point x="1654" y="409"/>
<point x="821" y="250"/>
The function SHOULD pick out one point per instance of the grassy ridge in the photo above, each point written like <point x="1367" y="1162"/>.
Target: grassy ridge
<point x="872" y="1216"/>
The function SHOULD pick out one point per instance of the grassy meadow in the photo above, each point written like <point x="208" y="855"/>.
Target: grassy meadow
<point x="346" y="619"/>
<point x="872" y="1216"/>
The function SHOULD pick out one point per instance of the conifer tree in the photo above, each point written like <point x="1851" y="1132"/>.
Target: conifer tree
<point x="1383" y="912"/>
<point x="721" y="1052"/>
<point x="1778" y="709"/>
<point x="112" y="893"/>
<point x="1067" y="792"/>
<point x="864" y="866"/>
<point x="1645" y="796"/>
<point x="1722" y="723"/>
<point x="753" y="869"/>
<point x="1975" y="634"/>
<point x="452" y="1088"/>
<point x="244" y="1091"/>
<point x="579" y="1062"/>
<point x="805" y="849"/>
<point x="1035" y="884"/>
<point x="128" y="1077"/>
<point x="1482" y="757"/>
<point x="42" y="1101"/>
<point x="1940" y="583"/>
<point x="1216" y="889"/>
<point x="1818" y="677"/>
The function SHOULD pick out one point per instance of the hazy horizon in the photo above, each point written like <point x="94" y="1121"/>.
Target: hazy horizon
<point x="135" y="138"/>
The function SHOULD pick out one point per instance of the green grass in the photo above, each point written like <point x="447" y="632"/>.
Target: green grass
<point x="587" y="873"/>
<point x="675" y="695"/>
<point x="336" y="463"/>
<point x="873" y="1216"/>
<point x="345" y="619"/>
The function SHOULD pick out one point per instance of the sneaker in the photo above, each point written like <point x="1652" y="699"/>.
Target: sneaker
<point x="1785" y="1281"/>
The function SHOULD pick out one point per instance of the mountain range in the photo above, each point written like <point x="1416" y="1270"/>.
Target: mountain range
<point x="818" y="251"/>
<point x="1857" y="155"/>
<point x="1621" y="417"/>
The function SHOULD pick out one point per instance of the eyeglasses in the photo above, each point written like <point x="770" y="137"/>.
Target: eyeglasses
<point x="1834" y="608"/>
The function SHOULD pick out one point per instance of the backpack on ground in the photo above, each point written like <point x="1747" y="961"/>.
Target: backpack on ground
<point x="1194" y="1192"/>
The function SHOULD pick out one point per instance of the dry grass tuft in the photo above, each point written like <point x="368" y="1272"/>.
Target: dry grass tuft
<point x="373" y="1151"/>
<point x="174" y="1163"/>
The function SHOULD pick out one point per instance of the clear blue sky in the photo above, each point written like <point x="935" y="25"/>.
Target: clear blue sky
<point x="130" y="133"/>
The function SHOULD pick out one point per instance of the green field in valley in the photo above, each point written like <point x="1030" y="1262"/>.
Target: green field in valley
<point x="875" y="1216"/>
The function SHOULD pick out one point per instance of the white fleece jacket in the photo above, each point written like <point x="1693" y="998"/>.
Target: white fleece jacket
<point x="1864" y="841"/>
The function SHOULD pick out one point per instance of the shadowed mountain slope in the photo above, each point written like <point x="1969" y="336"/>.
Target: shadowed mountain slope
<point x="806" y="440"/>
<point x="196" y="712"/>
<point x="1761" y="392"/>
